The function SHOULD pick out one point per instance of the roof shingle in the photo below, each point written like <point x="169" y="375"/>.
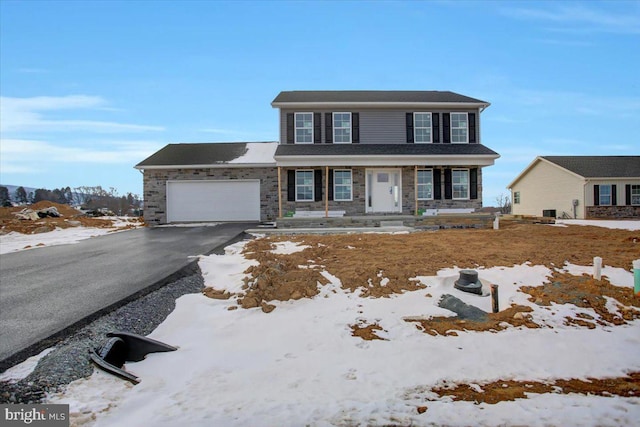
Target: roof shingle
<point x="355" y="96"/>
<point x="599" y="166"/>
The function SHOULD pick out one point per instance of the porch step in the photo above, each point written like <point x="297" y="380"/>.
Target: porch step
<point x="391" y="224"/>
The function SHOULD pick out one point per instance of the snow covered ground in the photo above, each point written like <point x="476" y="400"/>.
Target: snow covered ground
<point x="13" y="241"/>
<point x="300" y="365"/>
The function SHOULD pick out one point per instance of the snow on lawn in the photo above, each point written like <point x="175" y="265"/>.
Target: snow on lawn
<point x="300" y="365"/>
<point x="13" y="241"/>
<point x="623" y="225"/>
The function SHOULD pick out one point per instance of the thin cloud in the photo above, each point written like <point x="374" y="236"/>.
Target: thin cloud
<point x="579" y="18"/>
<point x="30" y="114"/>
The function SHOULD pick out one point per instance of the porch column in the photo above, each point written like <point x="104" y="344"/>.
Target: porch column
<point x="326" y="191"/>
<point x="279" y="195"/>
<point x="415" y="188"/>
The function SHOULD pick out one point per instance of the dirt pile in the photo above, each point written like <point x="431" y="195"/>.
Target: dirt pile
<point x="70" y="218"/>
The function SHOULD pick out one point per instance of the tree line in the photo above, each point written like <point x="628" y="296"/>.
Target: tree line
<point x="84" y="197"/>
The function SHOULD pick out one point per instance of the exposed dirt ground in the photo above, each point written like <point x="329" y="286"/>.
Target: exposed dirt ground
<point x="70" y="218"/>
<point x="379" y="265"/>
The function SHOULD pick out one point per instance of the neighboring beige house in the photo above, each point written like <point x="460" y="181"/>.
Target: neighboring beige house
<point x="578" y="187"/>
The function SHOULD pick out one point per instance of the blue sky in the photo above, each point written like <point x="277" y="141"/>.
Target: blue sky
<point x="91" y="88"/>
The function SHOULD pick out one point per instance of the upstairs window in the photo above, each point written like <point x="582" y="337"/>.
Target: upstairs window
<point x="342" y="185"/>
<point x="635" y="194"/>
<point x="605" y="195"/>
<point x="459" y="125"/>
<point x="516" y="197"/>
<point x="425" y="184"/>
<point x="304" y="186"/>
<point x="422" y="127"/>
<point x="342" y="128"/>
<point x="460" y="183"/>
<point x="304" y="128"/>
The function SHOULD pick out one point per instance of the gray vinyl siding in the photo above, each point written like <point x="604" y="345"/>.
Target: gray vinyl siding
<point x="378" y="126"/>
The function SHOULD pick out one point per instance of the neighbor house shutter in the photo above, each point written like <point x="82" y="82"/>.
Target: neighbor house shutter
<point x="472" y="128"/>
<point x="328" y="128"/>
<point x="627" y="194"/>
<point x="317" y="183"/>
<point x="410" y="128"/>
<point x="290" y="130"/>
<point x="355" y="128"/>
<point x="330" y="178"/>
<point x="317" y="128"/>
<point x="437" y="184"/>
<point x="596" y="195"/>
<point x="448" y="185"/>
<point x="614" y="196"/>
<point x="291" y="186"/>
<point x="473" y="180"/>
<point x="435" y="125"/>
<point x="446" y="131"/>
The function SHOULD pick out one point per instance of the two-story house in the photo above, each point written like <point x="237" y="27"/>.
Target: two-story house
<point x="350" y="153"/>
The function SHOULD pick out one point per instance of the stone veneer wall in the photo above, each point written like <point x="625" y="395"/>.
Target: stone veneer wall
<point x="155" y="188"/>
<point x="613" y="212"/>
<point x="357" y="205"/>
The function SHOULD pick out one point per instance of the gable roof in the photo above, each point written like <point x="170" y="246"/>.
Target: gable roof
<point x="434" y="97"/>
<point x="599" y="166"/>
<point x="226" y="154"/>
<point x="590" y="166"/>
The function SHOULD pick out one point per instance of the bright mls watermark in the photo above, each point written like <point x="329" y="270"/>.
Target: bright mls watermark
<point x="34" y="415"/>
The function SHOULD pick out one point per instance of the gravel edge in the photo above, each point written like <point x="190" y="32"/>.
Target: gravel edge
<point x="70" y="361"/>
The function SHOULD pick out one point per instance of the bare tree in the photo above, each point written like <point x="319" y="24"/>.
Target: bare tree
<point x="504" y="203"/>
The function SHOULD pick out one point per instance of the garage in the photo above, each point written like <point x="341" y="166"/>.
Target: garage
<point x="224" y="200"/>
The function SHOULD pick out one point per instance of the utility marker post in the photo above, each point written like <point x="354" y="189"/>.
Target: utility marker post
<point x="636" y="278"/>
<point x="597" y="267"/>
<point x="494" y="298"/>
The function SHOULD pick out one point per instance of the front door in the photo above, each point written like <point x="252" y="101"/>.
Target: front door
<point x="384" y="189"/>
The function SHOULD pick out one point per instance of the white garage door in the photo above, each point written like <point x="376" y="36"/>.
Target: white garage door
<point x="228" y="200"/>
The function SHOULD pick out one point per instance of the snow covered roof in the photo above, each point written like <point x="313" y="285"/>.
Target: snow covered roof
<point x="198" y="155"/>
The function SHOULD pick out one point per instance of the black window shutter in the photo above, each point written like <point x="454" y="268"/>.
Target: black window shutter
<point x="596" y="195"/>
<point x="290" y="130"/>
<point x="472" y="128"/>
<point x="317" y="128"/>
<point x="355" y="128"/>
<point x="435" y="125"/>
<point x="437" y="184"/>
<point x="627" y="194"/>
<point x="330" y="178"/>
<point x="473" y="179"/>
<point x="291" y="186"/>
<point x="317" y="183"/>
<point x="446" y="132"/>
<point x="614" y="196"/>
<point x="410" y="128"/>
<point x="448" y="185"/>
<point x="328" y="128"/>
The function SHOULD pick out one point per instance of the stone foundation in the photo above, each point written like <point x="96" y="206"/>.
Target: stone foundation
<point x="613" y="212"/>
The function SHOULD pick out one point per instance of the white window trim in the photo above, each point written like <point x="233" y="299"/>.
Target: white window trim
<point x="333" y="125"/>
<point x="295" y="128"/>
<point x="432" y="185"/>
<point x="610" y="195"/>
<point x="635" y="185"/>
<point x="350" y="199"/>
<point x="451" y="127"/>
<point x="468" y="184"/>
<point x="313" y="185"/>
<point x="415" y="139"/>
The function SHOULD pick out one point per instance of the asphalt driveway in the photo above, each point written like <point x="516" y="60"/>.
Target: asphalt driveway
<point x="44" y="291"/>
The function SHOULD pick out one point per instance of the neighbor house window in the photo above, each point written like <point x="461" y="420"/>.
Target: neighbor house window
<point x="422" y="127"/>
<point x="460" y="183"/>
<point x="304" y="128"/>
<point x="425" y="184"/>
<point x="459" y="127"/>
<point x="342" y="185"/>
<point x="342" y="128"/>
<point x="304" y="186"/>
<point x="635" y="194"/>
<point x="516" y="197"/>
<point x="605" y="195"/>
